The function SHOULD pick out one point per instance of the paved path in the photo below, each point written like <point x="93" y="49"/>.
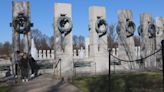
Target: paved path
<point x="45" y="83"/>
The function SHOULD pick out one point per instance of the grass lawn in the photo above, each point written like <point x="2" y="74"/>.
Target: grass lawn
<point x="129" y="82"/>
<point x="5" y="89"/>
<point x="4" y="86"/>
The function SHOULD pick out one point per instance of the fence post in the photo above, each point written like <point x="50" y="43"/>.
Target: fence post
<point x="162" y="43"/>
<point x="109" y="50"/>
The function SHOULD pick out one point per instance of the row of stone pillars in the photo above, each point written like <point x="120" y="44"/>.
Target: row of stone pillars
<point x="98" y="38"/>
<point x="63" y="35"/>
<point x="162" y="52"/>
<point x="150" y="35"/>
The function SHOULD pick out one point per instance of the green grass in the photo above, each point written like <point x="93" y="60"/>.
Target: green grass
<point x="5" y="89"/>
<point x="129" y="82"/>
<point x="92" y="84"/>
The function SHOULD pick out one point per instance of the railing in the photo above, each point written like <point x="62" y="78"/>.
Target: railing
<point x="57" y="69"/>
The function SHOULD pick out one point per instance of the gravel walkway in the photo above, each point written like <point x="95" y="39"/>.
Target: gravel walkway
<point x="45" y="83"/>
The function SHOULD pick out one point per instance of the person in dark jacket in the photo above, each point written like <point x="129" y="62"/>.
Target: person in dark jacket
<point x="24" y="65"/>
<point x="17" y="63"/>
<point x="34" y="66"/>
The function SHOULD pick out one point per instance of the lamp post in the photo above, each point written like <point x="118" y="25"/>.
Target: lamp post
<point x="162" y="42"/>
<point x="109" y="50"/>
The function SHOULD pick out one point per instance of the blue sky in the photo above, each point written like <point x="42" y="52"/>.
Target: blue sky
<point x="42" y="12"/>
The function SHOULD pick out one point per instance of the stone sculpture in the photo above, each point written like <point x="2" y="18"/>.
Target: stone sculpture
<point x="125" y="30"/>
<point x="21" y="24"/>
<point x="63" y="39"/>
<point x="147" y="31"/>
<point x="98" y="38"/>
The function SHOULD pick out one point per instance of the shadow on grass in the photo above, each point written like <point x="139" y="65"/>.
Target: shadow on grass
<point x="5" y="89"/>
<point x="55" y="88"/>
<point x="129" y="82"/>
<point x="137" y="82"/>
<point x="92" y="84"/>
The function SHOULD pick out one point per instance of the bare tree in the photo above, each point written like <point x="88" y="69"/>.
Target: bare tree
<point x="52" y="42"/>
<point x="81" y="41"/>
<point x="75" y="42"/>
<point x="5" y="49"/>
<point x="78" y="42"/>
<point x="137" y="40"/>
<point x="42" y="41"/>
<point x="112" y="37"/>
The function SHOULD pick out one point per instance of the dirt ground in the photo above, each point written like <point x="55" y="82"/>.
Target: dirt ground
<point x="45" y="83"/>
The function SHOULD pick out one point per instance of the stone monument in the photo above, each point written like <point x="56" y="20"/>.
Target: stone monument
<point x="125" y="30"/>
<point x="21" y="24"/>
<point x="63" y="38"/>
<point x="34" y="51"/>
<point x="159" y="38"/>
<point x="86" y="47"/>
<point x="98" y="50"/>
<point x="147" y="32"/>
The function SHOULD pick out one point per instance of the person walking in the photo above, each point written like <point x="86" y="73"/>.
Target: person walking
<point x="17" y="63"/>
<point x="24" y="64"/>
<point x="34" y="66"/>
